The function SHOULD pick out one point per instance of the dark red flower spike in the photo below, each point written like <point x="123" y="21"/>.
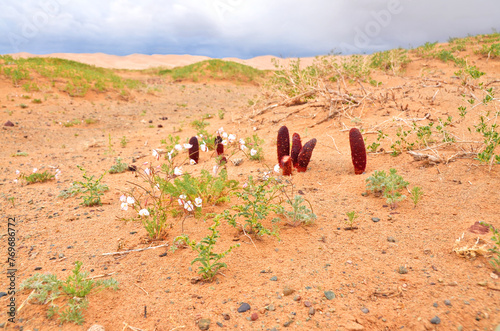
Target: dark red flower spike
<point x="305" y="155"/>
<point x="194" y="151"/>
<point x="283" y="143"/>
<point x="358" y="151"/>
<point x="286" y="165"/>
<point x="296" y="147"/>
<point x="218" y="145"/>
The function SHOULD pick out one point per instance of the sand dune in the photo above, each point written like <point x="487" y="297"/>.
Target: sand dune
<point x="141" y="61"/>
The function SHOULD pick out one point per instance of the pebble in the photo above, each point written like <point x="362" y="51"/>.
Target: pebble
<point x="271" y="307"/>
<point x="402" y="270"/>
<point x="8" y="123"/>
<point x="226" y="316"/>
<point x="435" y="304"/>
<point x="312" y="311"/>
<point x="204" y="324"/>
<point x="329" y="295"/>
<point x="447" y="302"/>
<point x="244" y="307"/>
<point x="435" y="320"/>
<point x="254" y="317"/>
<point x="220" y="324"/>
<point x="297" y="298"/>
<point x="287" y="324"/>
<point x="307" y="304"/>
<point x="375" y="219"/>
<point x="391" y="239"/>
<point x="2" y="294"/>
<point x="273" y="278"/>
<point x="287" y="291"/>
<point x="96" y="327"/>
<point x="365" y="310"/>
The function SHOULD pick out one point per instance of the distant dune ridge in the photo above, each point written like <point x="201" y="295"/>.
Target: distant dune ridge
<point x="141" y="61"/>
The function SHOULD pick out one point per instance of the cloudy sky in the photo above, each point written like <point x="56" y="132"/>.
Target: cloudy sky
<point x="237" y="28"/>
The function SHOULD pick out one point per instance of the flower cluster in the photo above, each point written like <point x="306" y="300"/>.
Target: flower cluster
<point x="187" y="204"/>
<point x="126" y="201"/>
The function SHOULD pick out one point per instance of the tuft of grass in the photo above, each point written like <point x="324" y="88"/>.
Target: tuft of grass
<point x="118" y="167"/>
<point x="71" y="123"/>
<point x="38" y="177"/>
<point x="215" y="69"/>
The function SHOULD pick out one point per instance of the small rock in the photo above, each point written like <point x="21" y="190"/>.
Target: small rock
<point x="220" y="324"/>
<point x="485" y="283"/>
<point x="329" y="295"/>
<point x="38" y="268"/>
<point x="271" y="307"/>
<point x="244" y="307"/>
<point x="273" y="278"/>
<point x="287" y="291"/>
<point x="96" y="327"/>
<point x="226" y="316"/>
<point x="2" y="294"/>
<point x="453" y="284"/>
<point x="391" y="239"/>
<point x="435" y="304"/>
<point x="375" y="219"/>
<point x="297" y="298"/>
<point x="365" y="310"/>
<point x="204" y="324"/>
<point x="435" y="320"/>
<point x="9" y="123"/>
<point x="307" y="304"/>
<point x="287" y="324"/>
<point x="447" y="302"/>
<point x="312" y="311"/>
<point x="254" y="317"/>
<point x="402" y="270"/>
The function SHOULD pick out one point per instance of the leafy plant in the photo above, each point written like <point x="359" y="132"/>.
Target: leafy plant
<point x="123" y="142"/>
<point x="110" y="150"/>
<point x="495" y="259"/>
<point x="37" y="177"/>
<point x="118" y="167"/>
<point x="209" y="260"/>
<point x="71" y="123"/>
<point x="351" y="216"/>
<point x="90" y="188"/>
<point x="77" y="286"/>
<point x="258" y="200"/>
<point x="299" y="213"/>
<point x="416" y="195"/>
<point x="388" y="185"/>
<point x="255" y="144"/>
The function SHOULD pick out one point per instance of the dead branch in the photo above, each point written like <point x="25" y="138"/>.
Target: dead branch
<point x="134" y="250"/>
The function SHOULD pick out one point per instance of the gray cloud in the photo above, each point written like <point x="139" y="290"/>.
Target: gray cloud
<point x="240" y="28"/>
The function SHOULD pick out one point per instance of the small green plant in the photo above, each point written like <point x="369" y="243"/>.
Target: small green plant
<point x="388" y="185"/>
<point x="36" y="101"/>
<point x="71" y="123"/>
<point x="90" y="120"/>
<point x="495" y="259"/>
<point x="37" y="177"/>
<point x="209" y="260"/>
<point x="255" y="143"/>
<point x="22" y="105"/>
<point x="118" y="167"/>
<point x="124" y="142"/>
<point x="20" y="154"/>
<point x="110" y="150"/>
<point x="416" y="195"/>
<point x="221" y="113"/>
<point x="258" y="200"/>
<point x="299" y="213"/>
<point x="351" y="216"/>
<point x="90" y="188"/>
<point x="199" y="125"/>
<point x="77" y="286"/>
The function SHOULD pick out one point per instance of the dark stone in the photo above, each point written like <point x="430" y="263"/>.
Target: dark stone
<point x="375" y="219"/>
<point x="204" y="324"/>
<point x="447" y="302"/>
<point x="435" y="320"/>
<point x="2" y="294"/>
<point x="391" y="239"/>
<point x="365" y="310"/>
<point x="38" y="268"/>
<point x="329" y="295"/>
<point x="273" y="278"/>
<point x="9" y="123"/>
<point x="244" y="307"/>
<point x="163" y="254"/>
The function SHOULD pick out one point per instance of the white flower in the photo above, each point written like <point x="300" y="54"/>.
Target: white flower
<point x="201" y="136"/>
<point x="178" y="171"/>
<point x="147" y="171"/>
<point x="130" y="200"/>
<point x="182" y="196"/>
<point x="224" y="135"/>
<point x="181" y="199"/>
<point x="191" y="161"/>
<point x="58" y="174"/>
<point x="123" y="198"/>
<point x="17" y="172"/>
<point x="244" y="148"/>
<point x="242" y="142"/>
<point x="143" y="212"/>
<point x="170" y="154"/>
<point x="245" y="185"/>
<point x="220" y="131"/>
<point x="15" y="180"/>
<point x="224" y="142"/>
<point x="189" y="206"/>
<point x="145" y="163"/>
<point x="156" y="154"/>
<point x="203" y="147"/>
<point x="198" y="202"/>
<point x="187" y="146"/>
<point x="178" y="147"/>
<point x="253" y="152"/>
<point x="35" y="170"/>
<point x="277" y="168"/>
<point x="124" y="206"/>
<point x="231" y="138"/>
<point x="265" y="175"/>
<point x="216" y="167"/>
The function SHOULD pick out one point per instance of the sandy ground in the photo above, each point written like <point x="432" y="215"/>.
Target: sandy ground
<point x="397" y="270"/>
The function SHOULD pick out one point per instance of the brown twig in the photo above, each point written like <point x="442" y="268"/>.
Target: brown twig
<point x="134" y="250"/>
